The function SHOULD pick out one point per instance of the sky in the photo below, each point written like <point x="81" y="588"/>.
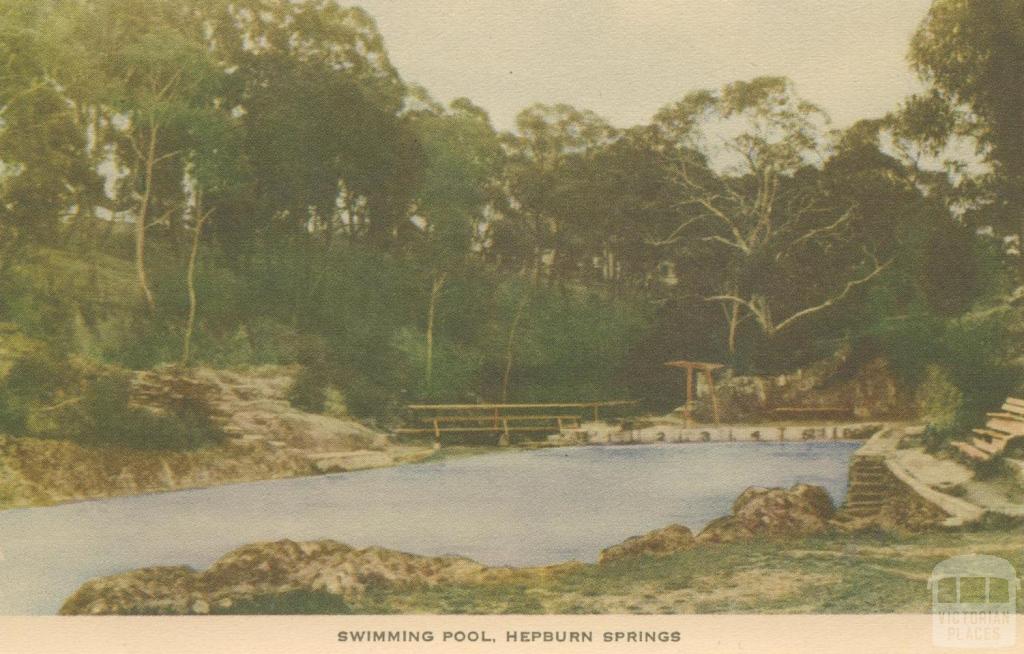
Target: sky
<point x="625" y="59"/>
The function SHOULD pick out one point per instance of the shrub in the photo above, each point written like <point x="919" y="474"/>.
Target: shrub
<point x="309" y="390"/>
<point x="366" y="398"/>
<point x="990" y="468"/>
<point x="33" y="380"/>
<point x="934" y="439"/>
<point x="104" y="418"/>
<point x="938" y="399"/>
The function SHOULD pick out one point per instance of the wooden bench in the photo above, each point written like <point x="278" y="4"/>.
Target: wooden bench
<point x="489" y="424"/>
<point x="500" y="419"/>
<point x="1002" y="427"/>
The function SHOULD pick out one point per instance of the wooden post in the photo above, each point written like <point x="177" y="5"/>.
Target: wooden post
<point x="688" y="412"/>
<point x="504" y="441"/>
<point x="595" y="412"/>
<point x="714" y="396"/>
<point x="437" y="435"/>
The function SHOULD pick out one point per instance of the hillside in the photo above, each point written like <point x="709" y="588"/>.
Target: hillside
<point x="266" y="438"/>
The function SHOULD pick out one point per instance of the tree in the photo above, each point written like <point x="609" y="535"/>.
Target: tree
<point x="45" y="168"/>
<point x="743" y="159"/>
<point x="971" y="54"/>
<point x="321" y="106"/>
<point x="463" y="159"/>
<point x="543" y="178"/>
<point x="144" y="64"/>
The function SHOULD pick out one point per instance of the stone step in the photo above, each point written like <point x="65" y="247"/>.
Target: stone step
<point x="863" y="504"/>
<point x="862" y="514"/>
<point x="868" y="477"/>
<point x="866" y="497"/>
<point x="877" y="487"/>
<point x="869" y="472"/>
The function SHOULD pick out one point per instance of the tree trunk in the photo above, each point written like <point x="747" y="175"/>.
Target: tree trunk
<point x="140" y="222"/>
<point x="190" y="279"/>
<point x="435" y="293"/>
<point x="734" y="321"/>
<point x="510" y="346"/>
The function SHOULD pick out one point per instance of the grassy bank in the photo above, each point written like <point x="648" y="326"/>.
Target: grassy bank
<point x="864" y="573"/>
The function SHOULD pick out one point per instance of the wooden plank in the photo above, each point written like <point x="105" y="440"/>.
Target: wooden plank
<point x="1013" y="408"/>
<point x="972" y="452"/>
<point x="490" y="419"/>
<point x="1007" y="426"/>
<point x="1019" y="417"/>
<point x="1015" y="400"/>
<point x="991" y="448"/>
<point x="995" y="435"/>
<point x="474" y="430"/>
<point x="700" y="365"/>
<point x="417" y="407"/>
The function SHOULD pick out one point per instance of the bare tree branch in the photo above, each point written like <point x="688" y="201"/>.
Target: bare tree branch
<point x="879" y="268"/>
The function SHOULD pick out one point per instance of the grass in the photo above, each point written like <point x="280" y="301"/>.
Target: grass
<point x="864" y="573"/>
<point x="296" y="602"/>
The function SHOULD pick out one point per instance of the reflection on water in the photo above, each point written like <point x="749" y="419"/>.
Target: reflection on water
<point x="509" y="508"/>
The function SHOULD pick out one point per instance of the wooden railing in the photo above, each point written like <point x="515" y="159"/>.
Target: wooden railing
<point x="502" y="420"/>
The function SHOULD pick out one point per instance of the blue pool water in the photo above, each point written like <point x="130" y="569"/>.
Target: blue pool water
<point x="508" y="508"/>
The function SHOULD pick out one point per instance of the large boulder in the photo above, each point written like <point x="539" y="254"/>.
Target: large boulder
<point x="660" y="542"/>
<point x="802" y="510"/>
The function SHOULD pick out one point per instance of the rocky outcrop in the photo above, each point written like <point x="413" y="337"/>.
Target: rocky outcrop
<point x="870" y="390"/>
<point x="37" y="471"/>
<point x="262" y="569"/>
<point x="268" y="439"/>
<point x="802" y="510"/>
<point x="660" y="542"/>
<point x="253" y="406"/>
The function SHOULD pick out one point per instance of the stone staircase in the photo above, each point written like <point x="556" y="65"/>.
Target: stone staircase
<point x="871" y="484"/>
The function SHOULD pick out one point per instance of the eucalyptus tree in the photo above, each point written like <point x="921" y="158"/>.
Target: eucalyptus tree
<point x="543" y="176"/>
<point x="747" y="163"/>
<point x="145" y="66"/>
<point x="971" y="56"/>
<point x="462" y="163"/>
<point x="321" y="106"/>
<point x="45" y="170"/>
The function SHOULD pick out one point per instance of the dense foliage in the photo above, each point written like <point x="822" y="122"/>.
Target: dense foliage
<point x="262" y="166"/>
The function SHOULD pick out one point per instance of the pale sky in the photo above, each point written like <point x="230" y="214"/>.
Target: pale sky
<point x="625" y="59"/>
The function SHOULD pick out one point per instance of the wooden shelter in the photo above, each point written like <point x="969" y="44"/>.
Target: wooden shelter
<point x="698" y="367"/>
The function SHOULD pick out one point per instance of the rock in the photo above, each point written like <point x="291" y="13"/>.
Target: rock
<point x="660" y="542"/>
<point x="267" y="569"/>
<point x="870" y="388"/>
<point x="901" y="513"/>
<point x="802" y="510"/>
